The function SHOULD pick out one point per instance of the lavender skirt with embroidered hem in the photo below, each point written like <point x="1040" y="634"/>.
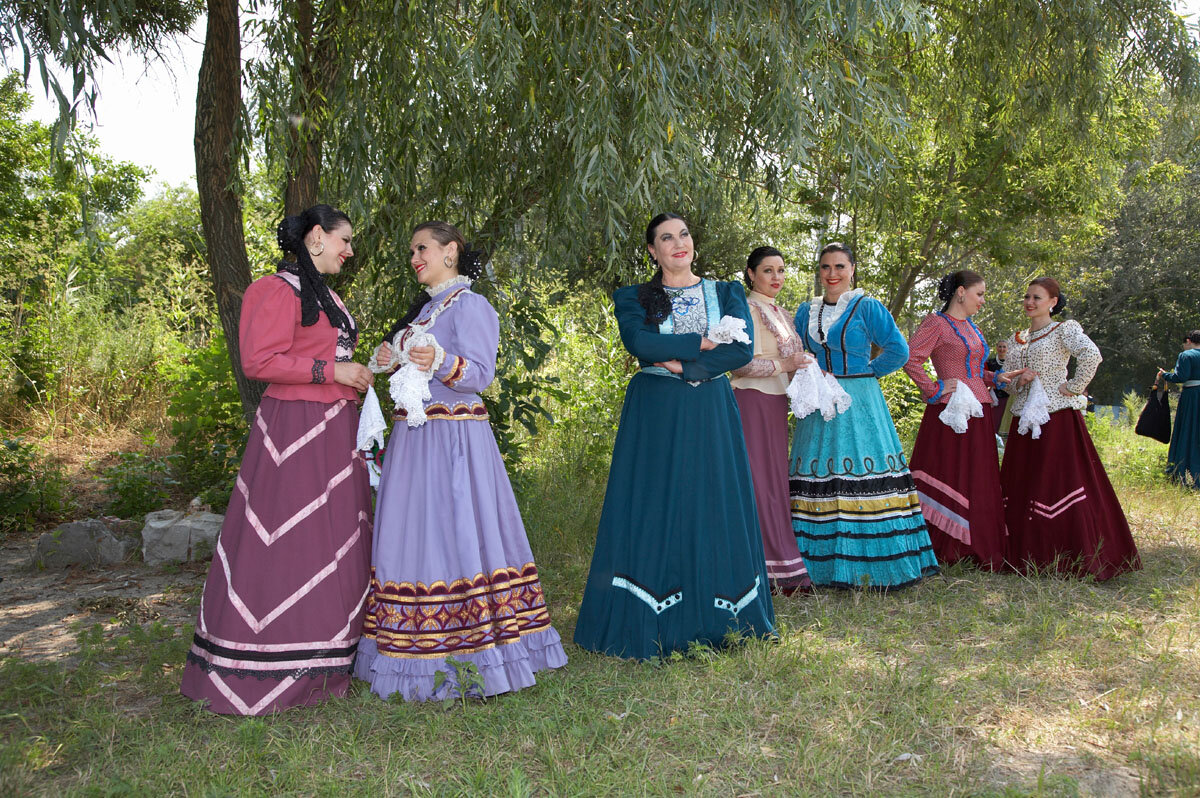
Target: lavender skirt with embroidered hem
<point x="282" y="605"/>
<point x="453" y="574"/>
<point x="765" y="425"/>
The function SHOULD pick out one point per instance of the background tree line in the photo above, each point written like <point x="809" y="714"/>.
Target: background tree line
<point x="1015" y="138"/>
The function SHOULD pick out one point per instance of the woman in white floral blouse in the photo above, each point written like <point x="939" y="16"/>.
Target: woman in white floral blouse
<point x="1061" y="510"/>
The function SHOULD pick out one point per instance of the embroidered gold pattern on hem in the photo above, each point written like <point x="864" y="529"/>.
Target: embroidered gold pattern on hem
<point x="425" y="622"/>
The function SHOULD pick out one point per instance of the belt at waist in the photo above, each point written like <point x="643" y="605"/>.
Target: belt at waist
<point x="1191" y="384"/>
<point x="662" y="372"/>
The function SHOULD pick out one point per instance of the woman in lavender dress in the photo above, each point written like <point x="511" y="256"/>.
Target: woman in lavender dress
<point x="452" y="572"/>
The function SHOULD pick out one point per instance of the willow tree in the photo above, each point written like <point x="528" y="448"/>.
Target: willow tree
<point x="1021" y="115"/>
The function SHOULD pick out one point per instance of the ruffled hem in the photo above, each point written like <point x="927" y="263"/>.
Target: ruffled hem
<point x="504" y="669"/>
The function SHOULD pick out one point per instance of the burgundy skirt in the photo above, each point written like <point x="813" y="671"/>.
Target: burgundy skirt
<point x="1061" y="510"/>
<point x="765" y="426"/>
<point x="283" y="603"/>
<point x="958" y="482"/>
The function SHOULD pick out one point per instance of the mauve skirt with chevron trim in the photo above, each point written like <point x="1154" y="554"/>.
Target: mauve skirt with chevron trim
<point x="958" y="481"/>
<point x="765" y="425"/>
<point x="1062" y="512"/>
<point x="282" y="606"/>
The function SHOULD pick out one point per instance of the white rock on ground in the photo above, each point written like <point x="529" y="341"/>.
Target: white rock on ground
<point x="172" y="536"/>
<point x="88" y="542"/>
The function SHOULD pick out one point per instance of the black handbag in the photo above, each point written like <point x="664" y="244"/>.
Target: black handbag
<point x="1155" y="420"/>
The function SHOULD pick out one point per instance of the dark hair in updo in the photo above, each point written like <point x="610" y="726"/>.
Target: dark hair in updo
<point x="1053" y="289"/>
<point x="469" y="263"/>
<point x="1194" y="336"/>
<point x="314" y="294"/>
<point x="652" y="295"/>
<point x="756" y="257"/>
<point x="948" y="285"/>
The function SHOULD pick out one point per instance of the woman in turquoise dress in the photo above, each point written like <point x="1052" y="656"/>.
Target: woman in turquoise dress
<point x="1183" y="458"/>
<point x="855" y="510"/>
<point x="679" y="557"/>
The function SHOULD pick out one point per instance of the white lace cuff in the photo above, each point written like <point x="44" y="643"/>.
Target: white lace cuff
<point x="728" y="330"/>
<point x="373" y="363"/>
<point x="1036" y="411"/>
<point x="962" y="407"/>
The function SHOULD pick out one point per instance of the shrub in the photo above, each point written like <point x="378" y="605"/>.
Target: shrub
<point x="139" y="483"/>
<point x="33" y="490"/>
<point x="206" y="420"/>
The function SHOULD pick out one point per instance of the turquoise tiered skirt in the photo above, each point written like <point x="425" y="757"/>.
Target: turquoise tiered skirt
<point x="855" y="510"/>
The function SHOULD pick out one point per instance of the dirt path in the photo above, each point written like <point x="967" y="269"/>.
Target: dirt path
<point x="40" y="609"/>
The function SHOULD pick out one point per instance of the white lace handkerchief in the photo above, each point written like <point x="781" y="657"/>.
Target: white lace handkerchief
<point x="811" y="390"/>
<point x="728" y="330"/>
<point x="962" y="407"/>
<point x="409" y="387"/>
<point x="1036" y="411"/>
<point x="372" y="427"/>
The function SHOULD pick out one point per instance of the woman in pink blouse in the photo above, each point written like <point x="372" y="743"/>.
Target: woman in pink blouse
<point x="282" y="606"/>
<point x="1061" y="510"/>
<point x="760" y="388"/>
<point x="957" y="473"/>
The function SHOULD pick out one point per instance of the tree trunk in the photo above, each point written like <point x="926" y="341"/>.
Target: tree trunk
<point x="320" y="71"/>
<point x="218" y="105"/>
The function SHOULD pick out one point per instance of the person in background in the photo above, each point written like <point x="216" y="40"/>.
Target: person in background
<point x="855" y="510"/>
<point x="957" y="474"/>
<point x="1183" y="457"/>
<point x="760" y="388"/>
<point x="282" y="605"/>
<point x="1060" y="507"/>
<point x="995" y="364"/>
<point x="679" y="557"/>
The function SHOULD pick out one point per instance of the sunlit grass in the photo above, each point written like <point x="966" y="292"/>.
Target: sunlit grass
<point x="1066" y="683"/>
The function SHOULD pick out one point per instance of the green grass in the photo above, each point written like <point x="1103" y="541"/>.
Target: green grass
<point x="1074" y="678"/>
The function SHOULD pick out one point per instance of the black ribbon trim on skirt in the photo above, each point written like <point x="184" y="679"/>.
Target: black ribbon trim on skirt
<point x="276" y="675"/>
<point x="273" y="656"/>
<point x="891" y="533"/>
<point x="864" y="557"/>
<point x="865" y="488"/>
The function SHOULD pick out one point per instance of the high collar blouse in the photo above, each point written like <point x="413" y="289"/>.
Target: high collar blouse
<point x="958" y="351"/>
<point x="1047" y="352"/>
<point x="775" y="339"/>
<point x="467" y="328"/>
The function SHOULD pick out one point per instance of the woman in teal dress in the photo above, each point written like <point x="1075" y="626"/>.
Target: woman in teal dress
<point x="679" y="557"/>
<point x="855" y="510"/>
<point x="1183" y="458"/>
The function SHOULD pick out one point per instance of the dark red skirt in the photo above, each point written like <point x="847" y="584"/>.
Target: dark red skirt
<point x="958" y="482"/>
<point x="765" y="426"/>
<point x="1061" y="510"/>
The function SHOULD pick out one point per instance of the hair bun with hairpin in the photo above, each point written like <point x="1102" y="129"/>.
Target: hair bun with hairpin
<point x="1062" y="303"/>
<point x="946" y="287"/>
<point x="470" y="262"/>
<point x="290" y="233"/>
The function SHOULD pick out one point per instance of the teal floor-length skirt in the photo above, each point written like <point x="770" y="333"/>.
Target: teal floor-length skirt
<point x="679" y="556"/>
<point x="1183" y="458"/>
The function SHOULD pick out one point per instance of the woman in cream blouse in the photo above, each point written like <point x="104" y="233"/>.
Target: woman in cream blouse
<point x="760" y="388"/>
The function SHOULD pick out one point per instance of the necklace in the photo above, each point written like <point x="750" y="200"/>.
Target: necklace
<point x="1052" y="328"/>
